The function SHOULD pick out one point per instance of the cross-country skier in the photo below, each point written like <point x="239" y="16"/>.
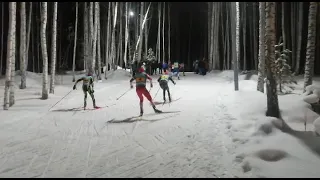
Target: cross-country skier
<point x="87" y="87"/>
<point x="141" y="78"/>
<point x="175" y="70"/>
<point x="163" y="81"/>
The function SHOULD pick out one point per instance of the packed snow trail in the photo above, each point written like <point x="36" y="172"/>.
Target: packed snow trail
<point x="70" y="142"/>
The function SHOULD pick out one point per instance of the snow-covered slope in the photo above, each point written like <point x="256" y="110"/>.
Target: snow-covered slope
<point x="217" y="133"/>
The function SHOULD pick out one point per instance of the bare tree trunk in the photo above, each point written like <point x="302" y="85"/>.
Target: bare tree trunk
<point x="234" y="24"/>
<point x="28" y="39"/>
<point x="45" y="94"/>
<point x="159" y="33"/>
<point x="90" y="39"/>
<point x="244" y="13"/>
<point x="120" y="34"/>
<point x="113" y="43"/>
<point x="107" y="51"/>
<point x="2" y="32"/>
<point x="126" y="36"/>
<point x="141" y="32"/>
<point x="75" y="45"/>
<point x="261" y="66"/>
<point x="299" y="37"/>
<point x="309" y="67"/>
<point x="146" y="35"/>
<point x="284" y="37"/>
<point x="212" y="34"/>
<point x="270" y="39"/>
<point x="54" y="46"/>
<point x="94" y="38"/>
<point x="209" y="29"/>
<point x="23" y="45"/>
<point x="85" y="35"/>
<point x="11" y="51"/>
<point x="99" y="43"/>
<point x="141" y="29"/>
<point x="293" y="34"/>
<point x="169" y="33"/>
<point x="255" y="46"/>
<point x="163" y="25"/>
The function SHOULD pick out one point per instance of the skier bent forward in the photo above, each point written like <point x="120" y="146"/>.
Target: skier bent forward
<point x="141" y="78"/>
<point x="87" y="87"/>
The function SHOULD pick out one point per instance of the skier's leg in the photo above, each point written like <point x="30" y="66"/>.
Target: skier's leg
<point x="85" y="90"/>
<point x="169" y="94"/>
<point x="164" y="94"/>
<point x="93" y="99"/>
<point x="148" y="96"/>
<point x="139" y="93"/>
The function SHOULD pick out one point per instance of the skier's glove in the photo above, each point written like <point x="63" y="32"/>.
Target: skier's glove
<point x="74" y="87"/>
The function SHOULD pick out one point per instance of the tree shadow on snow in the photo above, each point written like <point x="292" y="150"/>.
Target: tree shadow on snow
<point x="131" y="120"/>
<point x="31" y="98"/>
<point x="309" y="138"/>
<point x="67" y="110"/>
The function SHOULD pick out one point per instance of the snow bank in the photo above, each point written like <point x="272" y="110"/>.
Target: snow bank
<point x="119" y="74"/>
<point x="263" y="149"/>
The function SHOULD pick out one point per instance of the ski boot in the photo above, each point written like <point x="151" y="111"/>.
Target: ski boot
<point x="94" y="104"/>
<point x="156" y="110"/>
<point x="169" y="99"/>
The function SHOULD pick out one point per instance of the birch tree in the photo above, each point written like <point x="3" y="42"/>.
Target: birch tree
<point x="234" y="25"/>
<point x="141" y="31"/>
<point x="94" y="38"/>
<point x="11" y="53"/>
<point x="261" y="66"/>
<point x="24" y="78"/>
<point x="53" y="47"/>
<point x="113" y="38"/>
<point x="75" y="45"/>
<point x="270" y="41"/>
<point x="309" y="66"/>
<point x="44" y="50"/>
<point x="85" y="35"/>
<point x="169" y="33"/>
<point x="98" y="42"/>
<point x="159" y="33"/>
<point x="126" y="36"/>
<point x="107" y="50"/>
<point x="23" y="44"/>
<point x="299" y="36"/>
<point x="2" y="32"/>
<point x="163" y="25"/>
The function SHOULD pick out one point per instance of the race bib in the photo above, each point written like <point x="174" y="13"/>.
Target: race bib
<point x="140" y="79"/>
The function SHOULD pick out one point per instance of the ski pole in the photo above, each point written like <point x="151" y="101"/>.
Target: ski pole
<point x="156" y="93"/>
<point x="60" y="100"/>
<point x="123" y="94"/>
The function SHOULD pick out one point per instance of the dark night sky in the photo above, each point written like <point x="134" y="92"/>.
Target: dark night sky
<point x="182" y="15"/>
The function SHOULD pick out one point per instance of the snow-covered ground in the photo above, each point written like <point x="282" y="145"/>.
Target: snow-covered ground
<point x="217" y="133"/>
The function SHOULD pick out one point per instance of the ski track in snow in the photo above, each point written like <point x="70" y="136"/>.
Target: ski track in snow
<point x="192" y="143"/>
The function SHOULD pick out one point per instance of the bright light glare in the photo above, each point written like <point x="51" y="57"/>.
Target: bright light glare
<point x="131" y="13"/>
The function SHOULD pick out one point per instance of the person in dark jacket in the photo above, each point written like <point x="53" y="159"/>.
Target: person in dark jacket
<point x="201" y="68"/>
<point x="160" y="67"/>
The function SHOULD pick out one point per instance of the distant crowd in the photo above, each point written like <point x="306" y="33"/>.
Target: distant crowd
<point x="199" y="67"/>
